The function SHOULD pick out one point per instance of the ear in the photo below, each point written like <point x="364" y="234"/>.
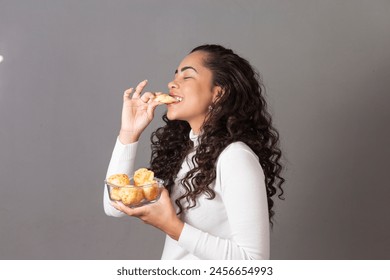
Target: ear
<point x="217" y="93"/>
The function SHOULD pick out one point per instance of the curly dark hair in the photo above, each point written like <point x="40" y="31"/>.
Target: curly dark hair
<point x="239" y="114"/>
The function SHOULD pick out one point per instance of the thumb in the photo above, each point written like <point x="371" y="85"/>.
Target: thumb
<point x="152" y="106"/>
<point x="165" y="192"/>
<point x="164" y="196"/>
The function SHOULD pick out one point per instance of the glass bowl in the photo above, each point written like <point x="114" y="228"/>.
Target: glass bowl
<point x="136" y="196"/>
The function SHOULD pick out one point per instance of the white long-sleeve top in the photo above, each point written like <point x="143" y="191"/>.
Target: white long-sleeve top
<point x="233" y="225"/>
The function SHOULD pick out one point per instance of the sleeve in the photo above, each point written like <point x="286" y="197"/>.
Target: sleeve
<point x="122" y="161"/>
<point x="245" y="199"/>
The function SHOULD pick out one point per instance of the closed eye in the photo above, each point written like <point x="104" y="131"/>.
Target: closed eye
<point x="186" y="78"/>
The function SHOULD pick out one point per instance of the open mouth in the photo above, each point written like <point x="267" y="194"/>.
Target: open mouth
<point x="178" y="98"/>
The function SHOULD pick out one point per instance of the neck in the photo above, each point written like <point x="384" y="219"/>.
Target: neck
<point x="196" y="132"/>
<point x="196" y="125"/>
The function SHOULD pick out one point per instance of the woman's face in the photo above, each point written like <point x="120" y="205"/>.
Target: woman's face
<point x="193" y="83"/>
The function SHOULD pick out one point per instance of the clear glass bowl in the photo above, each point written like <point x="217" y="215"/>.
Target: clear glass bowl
<point x="136" y="196"/>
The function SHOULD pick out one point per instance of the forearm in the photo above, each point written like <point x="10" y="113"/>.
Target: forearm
<point x="207" y="246"/>
<point x="122" y="161"/>
<point x="128" y="136"/>
<point x="175" y="229"/>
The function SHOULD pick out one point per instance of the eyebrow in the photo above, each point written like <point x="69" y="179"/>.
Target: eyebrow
<point x="186" y="68"/>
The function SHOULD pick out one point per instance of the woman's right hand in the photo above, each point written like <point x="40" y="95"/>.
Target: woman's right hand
<point x="137" y="113"/>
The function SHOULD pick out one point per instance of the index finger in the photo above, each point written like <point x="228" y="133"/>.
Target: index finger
<point x="139" y="89"/>
<point x="147" y="97"/>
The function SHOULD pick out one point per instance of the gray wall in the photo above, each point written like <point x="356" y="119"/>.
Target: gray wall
<point x="66" y="64"/>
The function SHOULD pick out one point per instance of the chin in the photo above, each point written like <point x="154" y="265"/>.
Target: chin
<point x="174" y="116"/>
<point x="171" y="115"/>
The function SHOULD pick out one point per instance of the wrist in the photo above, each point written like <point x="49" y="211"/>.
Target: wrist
<point x="174" y="231"/>
<point x="128" y="136"/>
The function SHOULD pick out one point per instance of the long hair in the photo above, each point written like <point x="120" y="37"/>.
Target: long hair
<point x="239" y="114"/>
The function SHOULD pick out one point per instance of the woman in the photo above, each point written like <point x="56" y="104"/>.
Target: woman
<point x="217" y="155"/>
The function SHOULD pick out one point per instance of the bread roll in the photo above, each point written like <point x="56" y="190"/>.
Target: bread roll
<point x="151" y="192"/>
<point x="131" y="195"/>
<point x="114" y="193"/>
<point x="165" y="98"/>
<point x="143" y="176"/>
<point x="119" y="180"/>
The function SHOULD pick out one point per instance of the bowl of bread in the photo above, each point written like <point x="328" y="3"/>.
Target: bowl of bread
<point x="141" y="189"/>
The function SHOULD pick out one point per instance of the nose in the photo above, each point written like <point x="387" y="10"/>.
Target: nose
<point x="172" y="85"/>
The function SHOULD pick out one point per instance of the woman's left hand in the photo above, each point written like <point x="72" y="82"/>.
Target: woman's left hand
<point x="160" y="214"/>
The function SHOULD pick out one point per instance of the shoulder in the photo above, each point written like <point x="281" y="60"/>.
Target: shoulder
<point x="239" y="156"/>
<point x="238" y="165"/>
<point x="237" y="150"/>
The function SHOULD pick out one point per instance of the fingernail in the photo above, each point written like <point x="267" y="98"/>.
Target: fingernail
<point x="145" y="81"/>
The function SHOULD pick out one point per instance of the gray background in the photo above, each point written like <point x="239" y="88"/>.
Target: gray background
<point x="326" y="66"/>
